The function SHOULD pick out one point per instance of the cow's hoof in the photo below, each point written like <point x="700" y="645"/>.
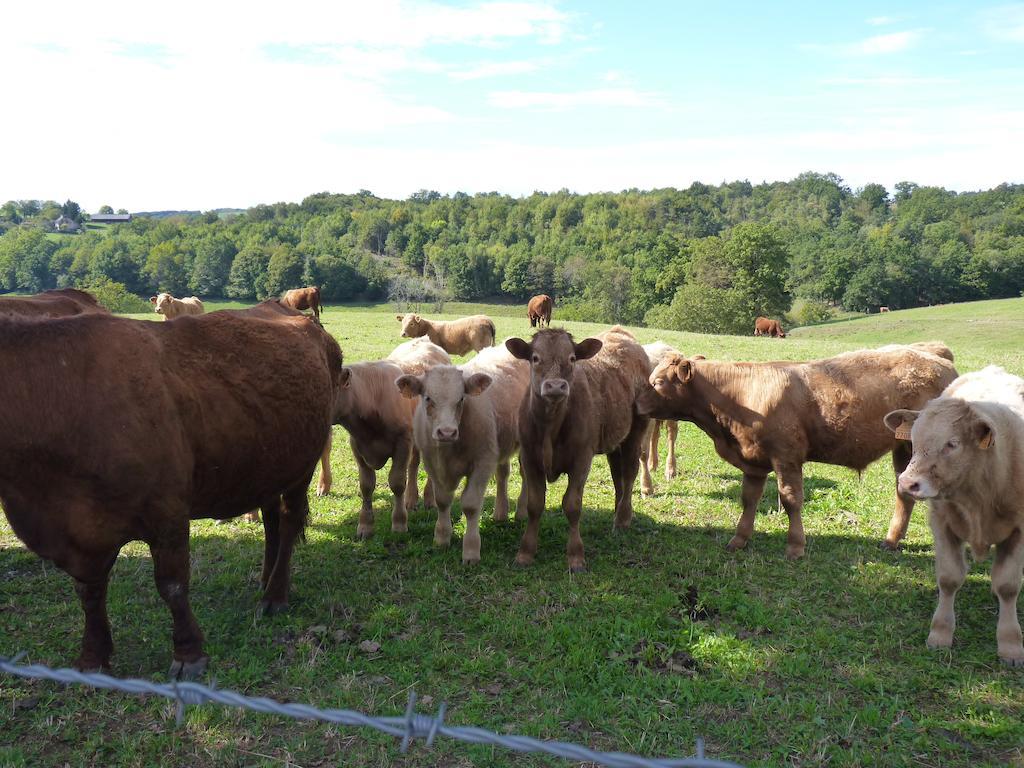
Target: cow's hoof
<point x="735" y="544"/>
<point x="523" y="561"/>
<point x="188" y="670"/>
<point x="890" y="546"/>
<point x="322" y="490"/>
<point x="794" y="552"/>
<point x="91" y="666"/>
<point x="1017" y="660"/>
<point x="936" y="642"/>
<point x="399" y="527"/>
<point x="578" y="568"/>
<point x="469" y="561"/>
<point x="364" y="533"/>
<point x="273" y="607"/>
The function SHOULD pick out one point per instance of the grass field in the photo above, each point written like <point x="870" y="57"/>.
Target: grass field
<point x="667" y="637"/>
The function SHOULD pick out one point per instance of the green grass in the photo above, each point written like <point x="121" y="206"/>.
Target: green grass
<point x="816" y="662"/>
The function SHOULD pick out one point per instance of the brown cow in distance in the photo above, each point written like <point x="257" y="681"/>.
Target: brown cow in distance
<point x="456" y="337"/>
<point x="766" y="417"/>
<point x="765" y="326"/>
<point x="968" y="456"/>
<point x="145" y="426"/>
<point x="303" y="298"/>
<point x="581" y="402"/>
<point x="62" y="302"/>
<point x="539" y="310"/>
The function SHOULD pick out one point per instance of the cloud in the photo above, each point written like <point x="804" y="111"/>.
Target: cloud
<point x="890" y="81"/>
<point x="876" y="45"/>
<point x="598" y="97"/>
<point x="880" y="21"/>
<point x="495" y="69"/>
<point x="1005" y="22"/>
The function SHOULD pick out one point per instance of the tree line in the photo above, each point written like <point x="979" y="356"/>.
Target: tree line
<point x="706" y="258"/>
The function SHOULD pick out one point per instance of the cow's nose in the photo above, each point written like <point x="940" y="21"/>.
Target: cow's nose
<point x="909" y="486"/>
<point x="555" y="388"/>
<point x="447" y="433"/>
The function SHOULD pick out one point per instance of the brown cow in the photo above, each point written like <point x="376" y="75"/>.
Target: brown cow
<point x="539" y="310"/>
<point x="765" y="326"/>
<point x="581" y="402"/>
<point x="466" y="426"/>
<point x="63" y="302"/>
<point x="968" y="462"/>
<point x="170" y="307"/>
<point x="303" y="298"/>
<point x="456" y="337"/>
<point x="379" y="424"/>
<point x="143" y="427"/>
<point x="766" y="417"/>
<point x="656" y="352"/>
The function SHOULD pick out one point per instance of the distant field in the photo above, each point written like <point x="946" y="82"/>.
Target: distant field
<point x="667" y="637"/>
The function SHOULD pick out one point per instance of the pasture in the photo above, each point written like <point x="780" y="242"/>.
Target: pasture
<point x="668" y="637"/>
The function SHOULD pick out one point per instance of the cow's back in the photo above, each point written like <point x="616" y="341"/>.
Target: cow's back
<point x="62" y="302"/>
<point x="614" y="377"/>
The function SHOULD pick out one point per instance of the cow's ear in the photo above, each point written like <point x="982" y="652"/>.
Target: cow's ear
<point x="684" y="370"/>
<point x="698" y="357"/>
<point x="518" y="348"/>
<point x="900" y="422"/>
<point x="587" y="348"/>
<point x="477" y="383"/>
<point x="152" y="299"/>
<point x="984" y="434"/>
<point x="410" y="386"/>
<point x="346" y="378"/>
<point x="399" y="318"/>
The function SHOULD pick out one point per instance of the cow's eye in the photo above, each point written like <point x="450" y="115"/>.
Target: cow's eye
<point x="572" y="359"/>
<point x="659" y="382"/>
<point x="426" y="400"/>
<point x="952" y="444"/>
<point x="536" y="359"/>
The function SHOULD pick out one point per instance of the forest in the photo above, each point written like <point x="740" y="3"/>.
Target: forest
<point x="705" y="258"/>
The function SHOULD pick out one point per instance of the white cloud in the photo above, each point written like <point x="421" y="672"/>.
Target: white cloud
<point x="880" y="21"/>
<point x="890" y="81"/>
<point x="495" y="69"/>
<point x="893" y="42"/>
<point x="598" y="97"/>
<point x="1005" y="22"/>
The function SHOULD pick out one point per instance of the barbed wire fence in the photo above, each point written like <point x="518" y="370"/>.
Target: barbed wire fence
<point x="408" y="727"/>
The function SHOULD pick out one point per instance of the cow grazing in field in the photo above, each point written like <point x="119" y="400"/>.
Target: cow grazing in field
<point x="63" y="302"/>
<point x="170" y="307"/>
<point x="456" y="337"/>
<point x="539" y="310"/>
<point x="765" y="326"/>
<point x="466" y="426"/>
<point x="968" y="462"/>
<point x="766" y="417"/>
<point x="303" y="298"/>
<point x="883" y="309"/>
<point x="142" y="427"/>
<point x="581" y="402"/>
<point x="379" y="424"/>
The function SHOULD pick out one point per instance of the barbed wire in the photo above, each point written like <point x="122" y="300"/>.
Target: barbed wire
<point x="409" y="726"/>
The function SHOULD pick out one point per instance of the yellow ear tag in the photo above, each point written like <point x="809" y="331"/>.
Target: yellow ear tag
<point x="903" y="432"/>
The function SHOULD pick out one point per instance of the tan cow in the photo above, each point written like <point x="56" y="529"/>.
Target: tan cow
<point x="539" y="310"/>
<point x="968" y="462"/>
<point x="466" y="426"/>
<point x="456" y="337"/>
<point x="581" y="402"/>
<point x="766" y="417"/>
<point x="379" y="424"/>
<point x="656" y="352"/>
<point x="170" y="307"/>
<point x="303" y="298"/>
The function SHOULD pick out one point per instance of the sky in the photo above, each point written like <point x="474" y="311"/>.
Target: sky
<point x="199" y="105"/>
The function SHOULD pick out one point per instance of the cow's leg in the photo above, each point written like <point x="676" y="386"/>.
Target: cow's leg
<point x="670" y="460"/>
<point x="397" y="478"/>
<point x="171" y="573"/>
<point x="524" y="495"/>
<point x="536" y="497"/>
<point x="648" y="459"/>
<point x="901" y="455"/>
<point x="572" y="505"/>
<point x="294" y="513"/>
<point x="500" y="491"/>
<point x="443" y="528"/>
<point x="412" y="479"/>
<point x="753" y="487"/>
<point x="630" y="452"/>
<point x="324" y="486"/>
<point x="615" y="470"/>
<point x="790" y="478"/>
<point x="950" y="572"/>
<point x="97" y="644"/>
<point x="271" y="538"/>
<point x="367" y="484"/>
<point x="1006" y="580"/>
<point x="471" y="501"/>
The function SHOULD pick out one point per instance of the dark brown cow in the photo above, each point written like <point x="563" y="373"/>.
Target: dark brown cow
<point x="63" y="302"/>
<point x="539" y="310"/>
<point x="303" y="298"/>
<point x="765" y="326"/>
<point x="144" y="426"/>
<point x="581" y="402"/>
<point x="766" y="417"/>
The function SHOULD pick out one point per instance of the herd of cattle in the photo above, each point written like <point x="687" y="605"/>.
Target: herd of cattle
<point x="114" y="430"/>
